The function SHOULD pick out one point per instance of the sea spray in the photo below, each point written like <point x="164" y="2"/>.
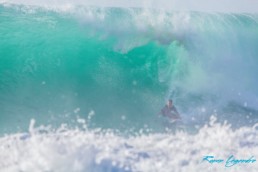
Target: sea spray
<point x="73" y="149"/>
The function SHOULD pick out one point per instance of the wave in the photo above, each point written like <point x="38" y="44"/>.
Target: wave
<point x="95" y="78"/>
<point x="123" y="63"/>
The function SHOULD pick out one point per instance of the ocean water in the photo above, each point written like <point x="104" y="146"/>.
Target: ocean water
<point x="81" y="88"/>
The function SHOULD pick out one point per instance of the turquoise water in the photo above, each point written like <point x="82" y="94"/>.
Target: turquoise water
<point x="81" y="89"/>
<point x="120" y="65"/>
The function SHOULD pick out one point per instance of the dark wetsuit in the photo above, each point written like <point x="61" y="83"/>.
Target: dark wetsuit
<point x="170" y="112"/>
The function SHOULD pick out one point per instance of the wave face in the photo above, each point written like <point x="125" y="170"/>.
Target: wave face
<point x="120" y="65"/>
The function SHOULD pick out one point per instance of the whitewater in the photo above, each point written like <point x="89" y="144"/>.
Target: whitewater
<point x="82" y="85"/>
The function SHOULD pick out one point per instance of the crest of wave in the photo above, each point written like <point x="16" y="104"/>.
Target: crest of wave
<point x="192" y="5"/>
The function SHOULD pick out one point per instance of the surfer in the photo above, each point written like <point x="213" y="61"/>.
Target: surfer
<point x="169" y="110"/>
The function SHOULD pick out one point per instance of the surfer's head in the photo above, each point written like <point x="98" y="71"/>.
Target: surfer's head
<point x="170" y="103"/>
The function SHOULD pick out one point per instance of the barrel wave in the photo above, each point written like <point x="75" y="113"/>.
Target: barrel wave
<point x="122" y="64"/>
<point x="81" y="88"/>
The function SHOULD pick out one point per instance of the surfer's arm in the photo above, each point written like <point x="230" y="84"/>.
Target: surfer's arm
<point x="163" y="111"/>
<point x="176" y="113"/>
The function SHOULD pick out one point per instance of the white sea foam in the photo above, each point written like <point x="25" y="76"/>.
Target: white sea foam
<point x="66" y="150"/>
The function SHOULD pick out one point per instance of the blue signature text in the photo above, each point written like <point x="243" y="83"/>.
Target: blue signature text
<point x="230" y="161"/>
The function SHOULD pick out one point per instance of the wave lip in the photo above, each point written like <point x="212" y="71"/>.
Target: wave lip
<point x="212" y="6"/>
